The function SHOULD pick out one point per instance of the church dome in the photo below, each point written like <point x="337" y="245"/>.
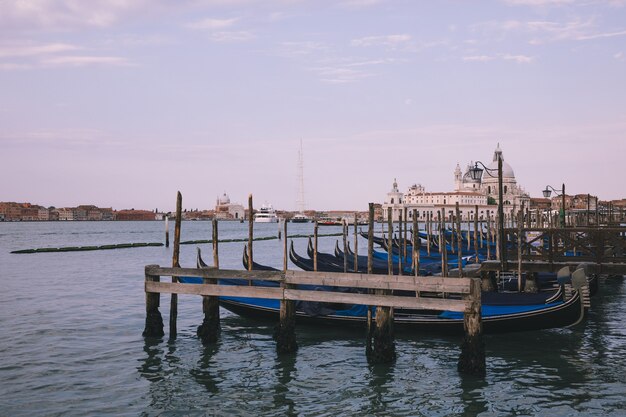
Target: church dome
<point x="507" y="171"/>
<point x="223" y="200"/>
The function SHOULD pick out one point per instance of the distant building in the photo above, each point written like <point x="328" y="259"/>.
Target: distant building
<point x="134" y="215"/>
<point x="468" y="193"/>
<point x="66" y="214"/>
<point x="225" y="210"/>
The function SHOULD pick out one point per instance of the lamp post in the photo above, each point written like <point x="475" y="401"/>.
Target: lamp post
<point x="476" y="174"/>
<point x="546" y="194"/>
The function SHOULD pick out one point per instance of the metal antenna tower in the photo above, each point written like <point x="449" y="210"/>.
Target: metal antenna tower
<point x="300" y="200"/>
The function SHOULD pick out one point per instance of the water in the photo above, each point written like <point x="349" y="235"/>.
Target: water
<point x="71" y="345"/>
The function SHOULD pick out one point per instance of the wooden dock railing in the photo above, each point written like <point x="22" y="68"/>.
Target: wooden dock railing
<point x="410" y="292"/>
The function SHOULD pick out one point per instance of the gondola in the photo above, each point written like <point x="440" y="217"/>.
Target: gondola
<point x="509" y="316"/>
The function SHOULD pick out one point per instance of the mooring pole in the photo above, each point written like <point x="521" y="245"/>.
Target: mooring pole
<point x="176" y="264"/>
<point x="250" y="233"/>
<point x="315" y="246"/>
<point x="286" y="331"/>
<point x="209" y="330"/>
<point x="356" y="244"/>
<point x="472" y="358"/>
<point x="416" y="246"/>
<point x="383" y="346"/>
<point x="476" y="232"/>
<point x="345" y="244"/>
<point x="459" y="239"/>
<point x="167" y="231"/>
<point x="154" y="321"/>
<point x="370" y="253"/>
<point x="400" y="256"/>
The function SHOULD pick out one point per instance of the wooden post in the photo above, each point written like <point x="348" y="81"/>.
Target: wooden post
<point x="285" y="334"/>
<point x="370" y="257"/>
<point x="406" y="221"/>
<point x="315" y="246"/>
<point x="176" y="264"/>
<point x="356" y="245"/>
<point x="383" y="349"/>
<point x="370" y="239"/>
<point x="459" y="239"/>
<point x="520" y="222"/>
<point x="416" y="246"/>
<point x="390" y="243"/>
<point x="250" y="232"/>
<point x="167" y="231"/>
<point x="345" y="244"/>
<point x="443" y="247"/>
<point x="428" y="230"/>
<point x="154" y="321"/>
<point x="476" y="232"/>
<point x="488" y="235"/>
<point x="400" y="258"/>
<point x="209" y="330"/>
<point x="214" y="238"/>
<point x="472" y="359"/>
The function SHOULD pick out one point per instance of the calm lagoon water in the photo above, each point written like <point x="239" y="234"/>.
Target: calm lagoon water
<point x="71" y="344"/>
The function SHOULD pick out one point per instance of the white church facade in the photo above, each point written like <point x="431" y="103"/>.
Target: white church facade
<point x="225" y="210"/>
<point x="468" y="193"/>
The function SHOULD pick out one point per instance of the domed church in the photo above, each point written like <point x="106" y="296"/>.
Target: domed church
<point x="468" y="192"/>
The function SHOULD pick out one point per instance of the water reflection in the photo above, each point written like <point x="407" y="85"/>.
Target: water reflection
<point x="285" y="368"/>
<point x="380" y="377"/>
<point x="473" y="395"/>
<point x="203" y="373"/>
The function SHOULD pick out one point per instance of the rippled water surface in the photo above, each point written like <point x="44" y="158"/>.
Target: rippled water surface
<point x="71" y="344"/>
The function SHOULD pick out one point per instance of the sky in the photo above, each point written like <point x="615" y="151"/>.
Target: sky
<point x="122" y="103"/>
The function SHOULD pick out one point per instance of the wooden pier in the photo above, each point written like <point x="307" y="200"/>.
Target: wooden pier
<point x="385" y="292"/>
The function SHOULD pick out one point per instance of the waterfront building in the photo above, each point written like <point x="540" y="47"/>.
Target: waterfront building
<point x="468" y="193"/>
<point x="225" y="210"/>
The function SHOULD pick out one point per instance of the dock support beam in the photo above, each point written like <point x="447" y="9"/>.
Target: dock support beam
<point x="472" y="359"/>
<point x="383" y="347"/>
<point x="209" y="330"/>
<point x="154" y="321"/>
<point x="285" y="334"/>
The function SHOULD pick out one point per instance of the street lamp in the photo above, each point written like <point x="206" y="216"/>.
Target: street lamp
<point x="546" y="194"/>
<point x="476" y="174"/>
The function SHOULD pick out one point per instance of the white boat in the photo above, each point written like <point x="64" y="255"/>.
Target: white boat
<point x="266" y="214"/>
<point x="300" y="218"/>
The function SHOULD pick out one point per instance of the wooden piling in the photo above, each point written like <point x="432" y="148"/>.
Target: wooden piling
<point x="285" y="333"/>
<point x="154" y="321"/>
<point x="383" y="348"/>
<point x="209" y="330"/>
<point x="356" y="244"/>
<point x="400" y="258"/>
<point x="344" y="230"/>
<point x="370" y="268"/>
<point x="429" y="216"/>
<point x="176" y="264"/>
<point x="315" y="246"/>
<point x="416" y="246"/>
<point x="167" y="231"/>
<point x="476" y="232"/>
<point x="472" y="359"/>
<point x="459" y="240"/>
<point x="250" y="232"/>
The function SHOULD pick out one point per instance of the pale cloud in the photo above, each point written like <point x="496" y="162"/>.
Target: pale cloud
<point x="29" y="49"/>
<point x="232" y="36"/>
<point x="601" y="35"/>
<point x="620" y="56"/>
<point x="212" y="24"/>
<point x="538" y="2"/>
<point x="358" y="4"/>
<point x="341" y="74"/>
<point x="478" y="58"/>
<point x="520" y="59"/>
<point x="387" y="40"/>
<point x="293" y="49"/>
<point x="81" y="61"/>
<point x="66" y="14"/>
